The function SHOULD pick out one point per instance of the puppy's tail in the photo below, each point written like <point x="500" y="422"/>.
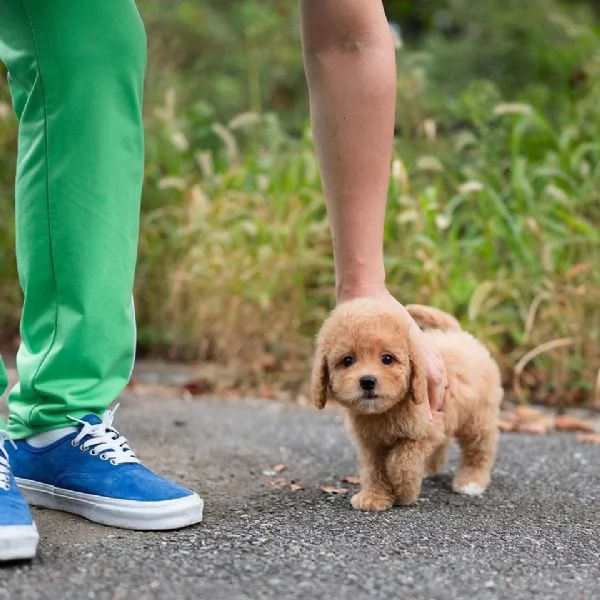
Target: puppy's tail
<point x="428" y="317"/>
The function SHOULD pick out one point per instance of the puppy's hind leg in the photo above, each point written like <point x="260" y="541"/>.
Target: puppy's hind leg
<point x="478" y="452"/>
<point x="437" y="459"/>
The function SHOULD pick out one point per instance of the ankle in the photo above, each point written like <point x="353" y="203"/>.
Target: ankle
<point x="46" y="438"/>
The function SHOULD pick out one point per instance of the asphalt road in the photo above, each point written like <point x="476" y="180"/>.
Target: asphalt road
<point x="535" y="534"/>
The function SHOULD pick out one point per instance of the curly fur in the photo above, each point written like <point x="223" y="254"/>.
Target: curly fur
<point x="397" y="441"/>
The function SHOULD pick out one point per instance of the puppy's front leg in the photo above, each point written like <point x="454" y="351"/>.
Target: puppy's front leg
<point x="405" y="468"/>
<point x="375" y="488"/>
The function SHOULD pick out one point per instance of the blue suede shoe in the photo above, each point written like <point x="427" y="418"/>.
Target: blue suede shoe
<point x="18" y="534"/>
<point x="95" y="474"/>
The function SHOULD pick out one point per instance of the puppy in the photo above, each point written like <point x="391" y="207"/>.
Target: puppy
<point x="366" y="361"/>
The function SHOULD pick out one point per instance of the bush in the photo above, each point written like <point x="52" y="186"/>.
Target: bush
<point x="502" y="218"/>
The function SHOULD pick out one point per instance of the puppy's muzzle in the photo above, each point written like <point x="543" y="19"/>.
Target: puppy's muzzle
<point x="368" y="382"/>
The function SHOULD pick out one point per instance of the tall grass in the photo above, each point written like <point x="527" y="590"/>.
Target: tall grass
<point x="235" y="245"/>
<point x="503" y="220"/>
<point x="495" y="222"/>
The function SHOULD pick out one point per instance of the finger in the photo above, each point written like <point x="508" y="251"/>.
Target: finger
<point x="437" y="393"/>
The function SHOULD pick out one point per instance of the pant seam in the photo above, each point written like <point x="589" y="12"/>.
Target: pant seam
<point x="50" y="242"/>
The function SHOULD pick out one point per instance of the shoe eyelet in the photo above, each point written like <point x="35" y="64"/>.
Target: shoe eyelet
<point x="82" y="448"/>
<point x="103" y="457"/>
<point x="113" y="462"/>
<point x="74" y="443"/>
<point x="93" y="452"/>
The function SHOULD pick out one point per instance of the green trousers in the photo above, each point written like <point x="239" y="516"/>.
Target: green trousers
<point x="75" y="73"/>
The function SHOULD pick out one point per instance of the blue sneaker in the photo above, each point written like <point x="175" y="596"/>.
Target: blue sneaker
<point x="94" y="473"/>
<point x="18" y="534"/>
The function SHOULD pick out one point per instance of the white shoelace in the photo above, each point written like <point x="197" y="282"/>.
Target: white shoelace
<point x="104" y="440"/>
<point x="4" y="466"/>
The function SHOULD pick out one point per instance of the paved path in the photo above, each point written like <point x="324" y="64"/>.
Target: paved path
<point x="535" y="534"/>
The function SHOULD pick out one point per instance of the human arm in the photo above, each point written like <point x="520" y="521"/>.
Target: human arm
<point x="351" y="72"/>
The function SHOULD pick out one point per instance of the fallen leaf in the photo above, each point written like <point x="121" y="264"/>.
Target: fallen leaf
<point x="506" y="426"/>
<point x="279" y="468"/>
<point x="539" y="428"/>
<point x="279" y="482"/>
<point x="199" y="386"/>
<point x="333" y="490"/>
<point x="568" y="423"/>
<point x="526" y="413"/>
<point x="508" y="416"/>
<point x="353" y="479"/>
<point x="590" y="438"/>
<point x="295" y="487"/>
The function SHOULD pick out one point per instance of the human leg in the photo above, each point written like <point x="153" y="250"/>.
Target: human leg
<point x="76" y="77"/>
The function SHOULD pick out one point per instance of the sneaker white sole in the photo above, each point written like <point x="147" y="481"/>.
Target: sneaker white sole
<point x="18" y="542"/>
<point x="127" y="514"/>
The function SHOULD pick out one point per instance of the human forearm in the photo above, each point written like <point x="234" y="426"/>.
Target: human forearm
<point x="350" y="68"/>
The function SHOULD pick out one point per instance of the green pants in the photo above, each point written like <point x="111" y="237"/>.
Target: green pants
<point x="75" y="72"/>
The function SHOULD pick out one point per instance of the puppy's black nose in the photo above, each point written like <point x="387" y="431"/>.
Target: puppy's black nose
<point x="367" y="382"/>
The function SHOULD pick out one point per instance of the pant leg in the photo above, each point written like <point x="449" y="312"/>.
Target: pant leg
<point x="76" y="74"/>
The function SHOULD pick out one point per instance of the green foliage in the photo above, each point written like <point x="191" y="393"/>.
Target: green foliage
<point x="239" y="56"/>
<point x="533" y="51"/>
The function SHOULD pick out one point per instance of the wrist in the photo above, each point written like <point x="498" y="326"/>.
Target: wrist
<point x="350" y="288"/>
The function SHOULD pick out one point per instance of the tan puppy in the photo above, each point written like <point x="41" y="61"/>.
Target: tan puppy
<point x="365" y="361"/>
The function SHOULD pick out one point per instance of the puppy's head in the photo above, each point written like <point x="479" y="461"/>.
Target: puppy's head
<point x="365" y="359"/>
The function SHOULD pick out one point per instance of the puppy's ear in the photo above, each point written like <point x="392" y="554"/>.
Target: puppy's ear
<point x="418" y="375"/>
<point x="320" y="377"/>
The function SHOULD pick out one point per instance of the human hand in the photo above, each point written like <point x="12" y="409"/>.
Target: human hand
<point x="437" y="378"/>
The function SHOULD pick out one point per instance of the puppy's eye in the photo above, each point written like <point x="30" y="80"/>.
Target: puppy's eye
<point x="387" y="359"/>
<point x="348" y="360"/>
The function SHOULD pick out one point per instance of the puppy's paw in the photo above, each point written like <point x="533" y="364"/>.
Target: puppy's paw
<point x="406" y="500"/>
<point x="470" y="486"/>
<point x="469" y="489"/>
<point x="369" y="501"/>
